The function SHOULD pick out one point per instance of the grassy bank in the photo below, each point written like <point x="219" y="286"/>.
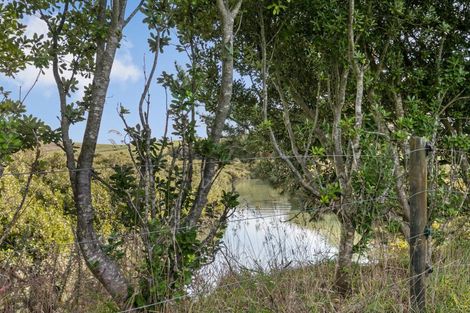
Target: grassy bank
<point x="377" y="287"/>
<point x="41" y="269"/>
<point x="46" y="260"/>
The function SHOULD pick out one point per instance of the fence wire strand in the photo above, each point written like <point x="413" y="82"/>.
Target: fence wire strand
<point x="98" y="168"/>
<point x="260" y="216"/>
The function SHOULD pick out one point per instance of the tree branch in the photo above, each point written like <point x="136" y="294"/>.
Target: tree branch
<point x="264" y="77"/>
<point x="133" y="13"/>
<point x="20" y="208"/>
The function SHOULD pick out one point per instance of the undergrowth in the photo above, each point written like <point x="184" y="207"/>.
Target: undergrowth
<point x="381" y="286"/>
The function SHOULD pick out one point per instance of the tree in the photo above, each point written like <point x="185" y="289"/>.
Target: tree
<point x="20" y="132"/>
<point x="227" y="16"/>
<point x="325" y="72"/>
<point x="90" y="32"/>
<point x="317" y="48"/>
<point x="414" y="84"/>
<point x="160" y="202"/>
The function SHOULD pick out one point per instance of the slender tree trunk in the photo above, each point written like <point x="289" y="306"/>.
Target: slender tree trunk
<point x="110" y="16"/>
<point x="209" y="166"/>
<point x="345" y="252"/>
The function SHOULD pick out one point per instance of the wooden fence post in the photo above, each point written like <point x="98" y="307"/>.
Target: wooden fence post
<point x="418" y="220"/>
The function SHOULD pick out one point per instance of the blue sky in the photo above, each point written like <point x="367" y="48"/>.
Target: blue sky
<point x="126" y="84"/>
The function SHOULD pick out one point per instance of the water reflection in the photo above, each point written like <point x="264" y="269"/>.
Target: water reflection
<point x="259" y="238"/>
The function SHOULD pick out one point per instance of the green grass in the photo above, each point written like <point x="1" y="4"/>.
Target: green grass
<point x="378" y="287"/>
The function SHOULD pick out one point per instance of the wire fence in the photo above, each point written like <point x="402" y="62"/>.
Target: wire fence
<point x="381" y="198"/>
<point x="240" y="282"/>
<point x="284" y="213"/>
<point x="207" y="161"/>
<point x="224" y="162"/>
<point x="260" y="215"/>
<point x="385" y="288"/>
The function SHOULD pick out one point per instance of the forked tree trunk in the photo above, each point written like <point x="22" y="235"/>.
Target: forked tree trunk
<point x="106" y="270"/>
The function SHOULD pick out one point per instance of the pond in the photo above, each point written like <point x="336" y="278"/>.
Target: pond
<point x="260" y="238"/>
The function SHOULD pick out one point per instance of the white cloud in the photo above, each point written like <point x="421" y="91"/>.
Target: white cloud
<point x="27" y="77"/>
<point x="124" y="69"/>
<point x="34" y="25"/>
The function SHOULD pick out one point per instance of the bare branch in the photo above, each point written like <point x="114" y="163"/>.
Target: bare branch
<point x="149" y="81"/>
<point x="134" y="12"/>
<point x="264" y="73"/>
<point x="451" y="102"/>
<point x="31" y="88"/>
<point x="287" y="123"/>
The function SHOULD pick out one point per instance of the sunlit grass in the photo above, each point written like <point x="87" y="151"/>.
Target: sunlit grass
<point x="378" y="287"/>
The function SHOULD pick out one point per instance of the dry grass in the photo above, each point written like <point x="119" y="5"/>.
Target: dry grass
<point x="379" y="287"/>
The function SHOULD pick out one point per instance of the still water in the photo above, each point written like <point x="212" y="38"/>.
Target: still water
<point x="259" y="236"/>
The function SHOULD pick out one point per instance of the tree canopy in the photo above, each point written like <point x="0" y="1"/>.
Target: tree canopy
<point x="322" y="96"/>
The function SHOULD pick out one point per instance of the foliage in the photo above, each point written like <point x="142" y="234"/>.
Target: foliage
<point x="13" y="41"/>
<point x="157" y="201"/>
<point x="20" y="131"/>
<point x="156" y="197"/>
<point x="327" y="96"/>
